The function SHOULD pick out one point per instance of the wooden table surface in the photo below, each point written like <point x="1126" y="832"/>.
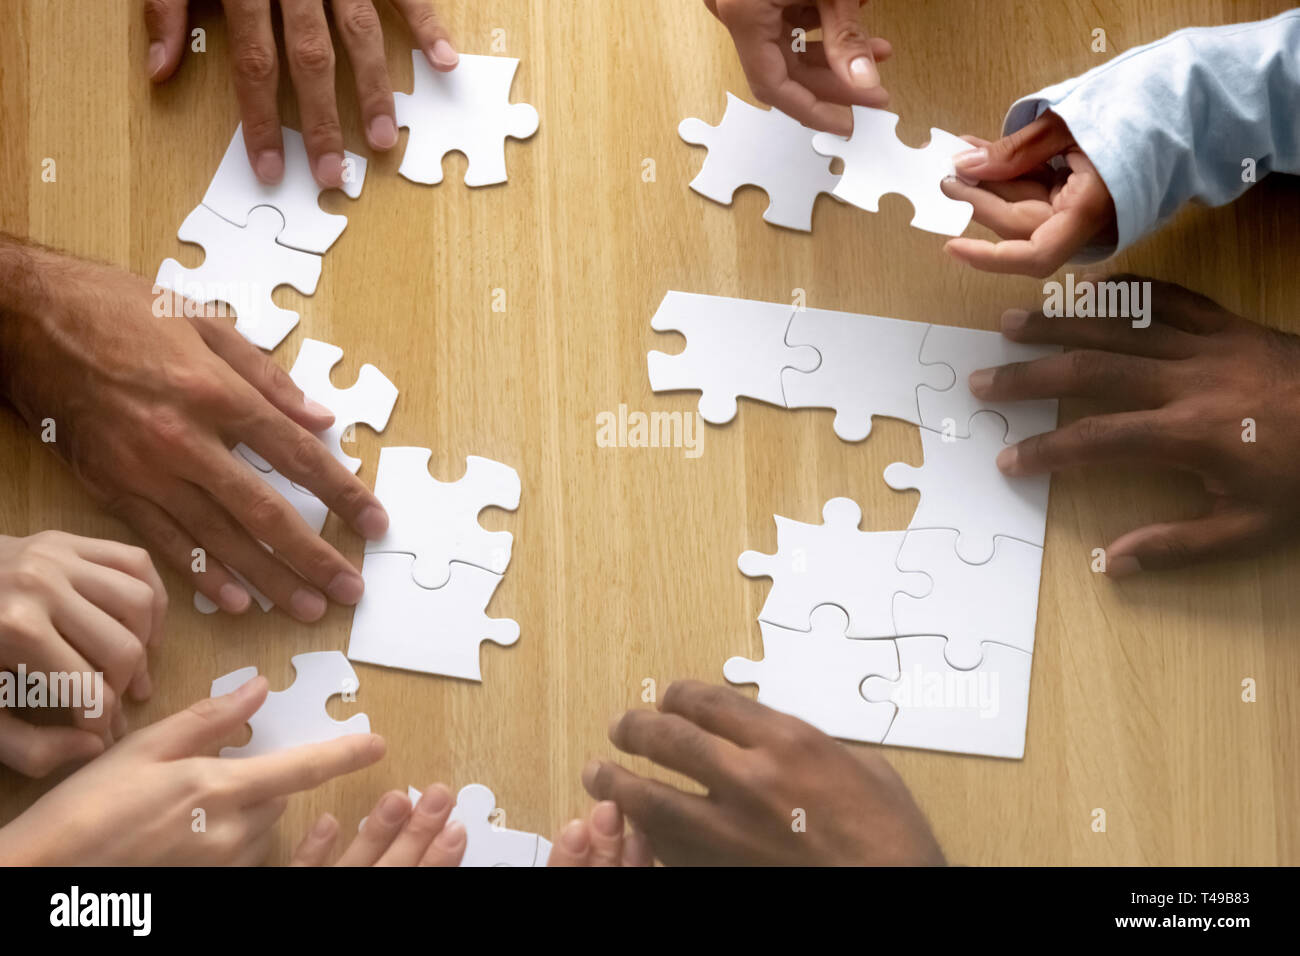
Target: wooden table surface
<point x="624" y="563"/>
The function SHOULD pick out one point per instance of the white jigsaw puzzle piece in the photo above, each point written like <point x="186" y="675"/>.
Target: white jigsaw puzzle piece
<point x="431" y="630"/>
<point x="437" y="521"/>
<point x="235" y="192"/>
<point x="467" y="110"/>
<point x="763" y="148"/>
<point x="962" y="489"/>
<point x="242" y="266"/>
<point x="876" y="163"/>
<point x="297" y="715"/>
<point x="978" y="711"/>
<point x="816" y="675"/>
<point x="970" y="604"/>
<point x="870" y="366"/>
<point x="965" y="351"/>
<point x="487" y="844"/>
<point x="833" y="563"/>
<point x="370" y="401"/>
<point x="734" y="347"/>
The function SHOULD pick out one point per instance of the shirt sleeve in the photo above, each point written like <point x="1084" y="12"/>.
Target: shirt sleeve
<point x="1200" y="114"/>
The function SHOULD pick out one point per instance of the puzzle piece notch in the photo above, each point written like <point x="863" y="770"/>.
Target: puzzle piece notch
<point x="487" y="844"/>
<point x="763" y="148"/>
<point x="962" y="489"/>
<point x="437" y="521"/>
<point x="870" y="365"/>
<point x="434" y="631"/>
<point x="876" y="162"/>
<point x="978" y="711"/>
<point x="368" y="401"/>
<point x="815" y="675"/>
<point x="235" y="191"/>
<point x="467" y="110"/>
<point x="970" y="604"/>
<point x="734" y="348"/>
<point x="297" y="715"/>
<point x="242" y="266"/>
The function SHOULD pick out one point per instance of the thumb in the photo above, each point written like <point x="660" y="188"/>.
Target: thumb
<point x="847" y="46"/>
<point x="1176" y="544"/>
<point x="164" y="21"/>
<point x="206" y="723"/>
<point x="1014" y="155"/>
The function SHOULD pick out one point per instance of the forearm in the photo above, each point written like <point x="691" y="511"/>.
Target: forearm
<point x="28" y="275"/>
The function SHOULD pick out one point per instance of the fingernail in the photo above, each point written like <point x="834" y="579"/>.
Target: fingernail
<point x="316" y="408"/>
<point x="269" y="167"/>
<point x="372" y="523"/>
<point x="383" y="132"/>
<point x="307" y="604"/>
<point x="443" y="56"/>
<point x="607" y="819"/>
<point x="589" y="773"/>
<point x="1009" y="459"/>
<point x="452" y="836"/>
<point x="324" y="827"/>
<point x="1123" y="566"/>
<point x="329" y="170"/>
<point x="1014" y="319"/>
<point x="972" y="157"/>
<point x="392" y="809"/>
<point x="233" y="599"/>
<point x="980" y="380"/>
<point x="157" y="56"/>
<point x="434" y="800"/>
<point x="347" y="587"/>
<point x="863" y="72"/>
<point x="574" y="837"/>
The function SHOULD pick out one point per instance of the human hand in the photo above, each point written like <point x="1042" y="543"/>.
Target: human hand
<point x="1194" y="385"/>
<point x="817" y="85"/>
<point x="1043" y="214"/>
<point x="600" y="840"/>
<point x="766" y="774"/>
<point x="145" y="411"/>
<point x="72" y="605"/>
<point x="310" y="51"/>
<point x="141" y="803"/>
<point x="395" y="834"/>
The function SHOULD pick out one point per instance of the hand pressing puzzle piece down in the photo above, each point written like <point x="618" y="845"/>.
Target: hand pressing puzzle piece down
<point x="467" y="110"/>
<point x="296" y="715"/>
<point x="763" y="148"/>
<point x="242" y="266"/>
<point x="487" y="841"/>
<point x="962" y="489"/>
<point x="437" y="521"/>
<point x="734" y="347"/>
<point x="432" y="630"/>
<point x="235" y="192"/>
<point x="815" y="676"/>
<point x="970" y="604"/>
<point x="869" y="366"/>
<point x="979" y="711"/>
<point x="370" y="401"/>
<point x="833" y="563"/>
<point x="875" y="163"/>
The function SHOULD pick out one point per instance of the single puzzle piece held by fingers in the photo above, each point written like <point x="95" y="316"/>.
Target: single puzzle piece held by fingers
<point x="978" y="711"/>
<point x="467" y="110"/>
<point x="763" y="148"/>
<point x="970" y="604"/>
<point x="432" y="630"/>
<point x="816" y="675"/>
<point x="437" y="521"/>
<point x="297" y="716"/>
<point x="869" y="366"/>
<point x="235" y="191"/>
<point x="370" y="401"/>
<point x="962" y="489"/>
<point x="876" y="163"/>
<point x="833" y="563"/>
<point x="242" y="266"/>
<point x="487" y="841"/>
<point x="734" y="347"/>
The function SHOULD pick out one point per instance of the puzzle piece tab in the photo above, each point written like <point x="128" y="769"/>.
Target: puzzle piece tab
<point x="467" y="110"/>
<point x="876" y="163"/>
<point x="370" y="401"/>
<point x="763" y="148"/>
<point x="296" y="715"/>
<point x="486" y="843"/>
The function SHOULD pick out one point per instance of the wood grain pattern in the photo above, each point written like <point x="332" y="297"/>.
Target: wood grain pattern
<point x="624" y="565"/>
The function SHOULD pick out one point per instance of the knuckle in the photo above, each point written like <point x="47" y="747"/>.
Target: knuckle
<point x="20" y="622"/>
<point x="423" y="19"/>
<point x="849" y="34"/>
<point x="1084" y="365"/>
<point x="266" y="513"/>
<point x="255" y="63"/>
<point x="168" y="429"/>
<point x="324" y="130"/>
<point x="361" y="22"/>
<point x="313" y="55"/>
<point x="306" y="453"/>
<point x="350" y="498"/>
<point x="276" y="377"/>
